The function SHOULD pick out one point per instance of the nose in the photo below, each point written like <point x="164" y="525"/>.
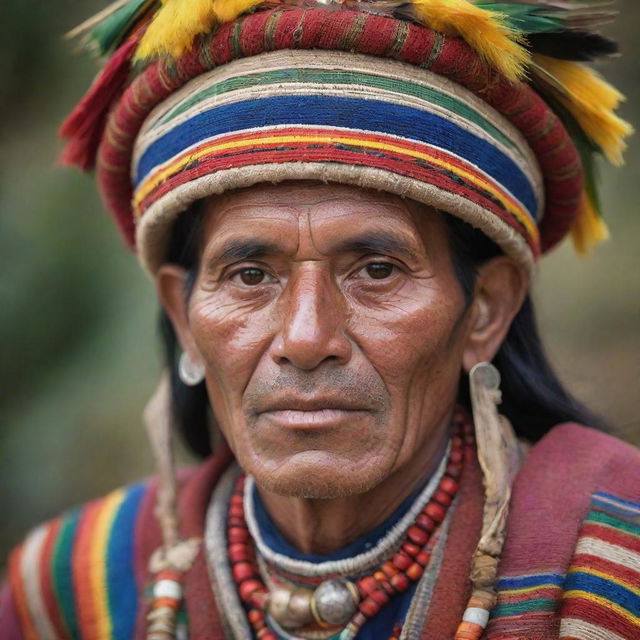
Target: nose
<point x="313" y="321"/>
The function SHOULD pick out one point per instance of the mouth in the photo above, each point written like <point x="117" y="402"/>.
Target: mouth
<point x="318" y="413"/>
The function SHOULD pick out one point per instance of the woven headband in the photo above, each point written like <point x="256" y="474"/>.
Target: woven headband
<point x="341" y="93"/>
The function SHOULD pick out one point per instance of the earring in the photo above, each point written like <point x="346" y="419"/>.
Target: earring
<point x="190" y="372"/>
<point x="499" y="457"/>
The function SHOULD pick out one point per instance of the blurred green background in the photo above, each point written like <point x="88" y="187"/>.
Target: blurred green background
<point x="78" y="317"/>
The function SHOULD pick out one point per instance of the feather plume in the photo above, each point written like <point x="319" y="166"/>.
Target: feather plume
<point x="228" y="10"/>
<point x="488" y="33"/>
<point x="545" y="16"/>
<point x="581" y="46"/>
<point x="589" y="228"/>
<point x="95" y="19"/>
<point x="110" y="33"/>
<point x="174" y="27"/>
<point x="178" y="22"/>
<point x="591" y="101"/>
<point x="106" y="31"/>
<point x="83" y="127"/>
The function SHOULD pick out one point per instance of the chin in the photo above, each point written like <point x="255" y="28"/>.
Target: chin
<point x="318" y="475"/>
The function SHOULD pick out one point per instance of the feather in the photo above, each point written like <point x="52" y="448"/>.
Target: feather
<point x="591" y="101"/>
<point x="556" y="5"/>
<point x="488" y="33"/>
<point x="589" y="228"/>
<point x="107" y="30"/>
<point x="228" y="10"/>
<point x="174" y="27"/>
<point x="178" y="22"/>
<point x="572" y="45"/>
<point x="83" y="127"/>
<point x="540" y="16"/>
<point x="96" y="19"/>
<point x="523" y="17"/>
<point x="110" y="33"/>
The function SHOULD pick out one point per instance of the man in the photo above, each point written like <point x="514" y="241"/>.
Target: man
<point x="303" y="183"/>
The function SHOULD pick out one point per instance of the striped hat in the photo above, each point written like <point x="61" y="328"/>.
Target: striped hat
<point x="440" y="101"/>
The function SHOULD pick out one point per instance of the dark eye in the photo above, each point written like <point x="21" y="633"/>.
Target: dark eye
<point x="252" y="276"/>
<point x="379" y="270"/>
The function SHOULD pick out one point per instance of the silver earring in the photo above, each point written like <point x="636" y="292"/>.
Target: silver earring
<point x="191" y="373"/>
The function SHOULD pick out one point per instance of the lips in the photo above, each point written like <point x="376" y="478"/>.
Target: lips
<point x="312" y="413"/>
<point x="294" y="403"/>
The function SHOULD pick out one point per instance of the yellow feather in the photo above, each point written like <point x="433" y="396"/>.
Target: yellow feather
<point x="589" y="228"/>
<point x="174" y="27"/>
<point x="592" y="101"/>
<point x="178" y="22"/>
<point x="228" y="10"/>
<point x="485" y="31"/>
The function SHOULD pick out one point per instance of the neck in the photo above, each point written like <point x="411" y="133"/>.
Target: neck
<point x="322" y="527"/>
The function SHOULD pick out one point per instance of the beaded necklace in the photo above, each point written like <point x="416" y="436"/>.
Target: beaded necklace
<point x="364" y="560"/>
<point x="341" y="604"/>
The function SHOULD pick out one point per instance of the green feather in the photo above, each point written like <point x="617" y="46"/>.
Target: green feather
<point x="542" y="16"/>
<point x="110" y="33"/>
<point x="523" y="17"/>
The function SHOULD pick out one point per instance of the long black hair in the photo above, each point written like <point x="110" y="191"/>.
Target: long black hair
<point x="533" y="398"/>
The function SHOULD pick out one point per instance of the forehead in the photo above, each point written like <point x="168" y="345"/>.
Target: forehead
<point x="326" y="211"/>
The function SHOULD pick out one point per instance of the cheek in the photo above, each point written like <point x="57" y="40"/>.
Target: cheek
<point x="417" y="350"/>
<point x="231" y="342"/>
<point x="414" y="339"/>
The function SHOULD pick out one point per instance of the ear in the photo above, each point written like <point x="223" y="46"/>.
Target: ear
<point x="171" y="286"/>
<point x="501" y="287"/>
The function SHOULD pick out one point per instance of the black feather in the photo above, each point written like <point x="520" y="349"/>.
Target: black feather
<point x="572" y="45"/>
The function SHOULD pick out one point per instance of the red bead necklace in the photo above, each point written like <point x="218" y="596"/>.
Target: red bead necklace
<point x="376" y="590"/>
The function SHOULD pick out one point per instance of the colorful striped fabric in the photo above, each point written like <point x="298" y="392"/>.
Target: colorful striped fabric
<point x="74" y="577"/>
<point x="602" y="589"/>
<point x="377" y="122"/>
<point x="526" y="603"/>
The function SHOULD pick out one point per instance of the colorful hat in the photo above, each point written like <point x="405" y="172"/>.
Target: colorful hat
<point x="480" y="109"/>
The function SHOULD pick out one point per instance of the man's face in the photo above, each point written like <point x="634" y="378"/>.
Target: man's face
<point x="332" y="329"/>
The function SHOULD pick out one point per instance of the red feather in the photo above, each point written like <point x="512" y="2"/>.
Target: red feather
<point x="84" y="126"/>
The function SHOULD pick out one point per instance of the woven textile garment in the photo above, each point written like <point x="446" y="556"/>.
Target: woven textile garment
<point x="570" y="568"/>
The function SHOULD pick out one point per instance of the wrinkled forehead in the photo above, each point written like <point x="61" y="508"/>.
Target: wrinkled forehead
<point x="332" y="216"/>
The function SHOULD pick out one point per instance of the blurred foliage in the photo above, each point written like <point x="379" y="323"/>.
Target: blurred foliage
<point x="77" y="315"/>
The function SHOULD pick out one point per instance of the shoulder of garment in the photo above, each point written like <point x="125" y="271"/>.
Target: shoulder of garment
<point x="85" y="575"/>
<point x="571" y="563"/>
<point x="76" y="576"/>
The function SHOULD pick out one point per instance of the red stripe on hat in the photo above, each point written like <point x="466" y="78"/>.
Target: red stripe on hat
<point x="256" y="137"/>
<point x="327" y="153"/>
<point x="252" y="40"/>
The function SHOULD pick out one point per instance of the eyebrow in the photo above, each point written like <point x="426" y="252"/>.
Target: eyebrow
<point x="245" y="250"/>
<point x="376" y="242"/>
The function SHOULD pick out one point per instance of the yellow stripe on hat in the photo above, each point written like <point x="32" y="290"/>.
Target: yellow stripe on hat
<point x="179" y="163"/>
